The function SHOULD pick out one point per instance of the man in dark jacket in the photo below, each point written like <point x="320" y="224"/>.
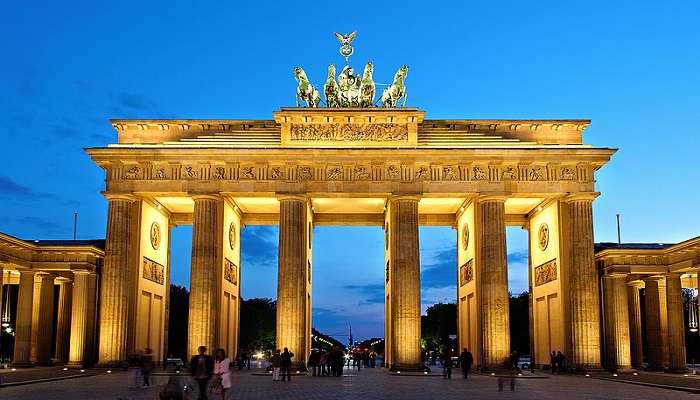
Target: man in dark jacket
<point x="465" y="361"/>
<point x="202" y="368"/>
<point x="286" y="358"/>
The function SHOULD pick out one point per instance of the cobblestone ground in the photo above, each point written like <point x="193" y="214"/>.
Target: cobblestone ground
<point x="368" y="384"/>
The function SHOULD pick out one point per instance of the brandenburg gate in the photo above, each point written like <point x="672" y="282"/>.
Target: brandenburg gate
<point x="385" y="167"/>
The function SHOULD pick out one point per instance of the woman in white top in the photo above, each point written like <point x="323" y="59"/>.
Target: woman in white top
<point x="222" y="369"/>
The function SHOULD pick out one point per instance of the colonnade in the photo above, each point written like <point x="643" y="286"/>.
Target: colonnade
<point x="74" y="324"/>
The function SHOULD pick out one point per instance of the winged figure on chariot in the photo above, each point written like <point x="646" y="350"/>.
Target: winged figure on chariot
<point x="347" y="89"/>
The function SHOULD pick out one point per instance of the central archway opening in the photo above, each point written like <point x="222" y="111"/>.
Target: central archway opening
<point x="348" y="285"/>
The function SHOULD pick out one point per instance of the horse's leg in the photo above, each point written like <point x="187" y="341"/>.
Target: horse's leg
<point x="404" y="98"/>
<point x="296" y="98"/>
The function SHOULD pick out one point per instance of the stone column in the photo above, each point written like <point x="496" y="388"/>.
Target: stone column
<point x="79" y="320"/>
<point x="676" y="326"/>
<point x="405" y="282"/>
<point x="23" y="331"/>
<point x="115" y="285"/>
<point x="583" y="291"/>
<point x="206" y="239"/>
<point x="291" y="277"/>
<point x="617" y="335"/>
<point x="652" y="308"/>
<point x="63" y="323"/>
<point x="492" y="278"/>
<point x="635" y="316"/>
<point x="46" y="310"/>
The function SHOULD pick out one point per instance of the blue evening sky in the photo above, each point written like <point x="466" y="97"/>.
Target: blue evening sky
<point x="630" y="66"/>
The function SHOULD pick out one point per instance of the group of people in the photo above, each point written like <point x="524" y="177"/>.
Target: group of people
<point x="465" y="362"/>
<point x="212" y="374"/>
<point x="556" y="362"/>
<point x="328" y="363"/>
<point x="281" y="362"/>
<point x="141" y="366"/>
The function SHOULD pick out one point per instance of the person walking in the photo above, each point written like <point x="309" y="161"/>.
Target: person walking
<point x="286" y="364"/>
<point x="553" y="362"/>
<point x="222" y="370"/>
<point x="147" y="367"/>
<point x="202" y="368"/>
<point x="134" y="362"/>
<point x="560" y="361"/>
<point x="276" y="362"/>
<point x="323" y="362"/>
<point x="465" y="362"/>
<point x="314" y="361"/>
<point x="447" y="366"/>
<point x="506" y="372"/>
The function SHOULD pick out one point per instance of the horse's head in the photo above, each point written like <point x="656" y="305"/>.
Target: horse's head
<point x="369" y="69"/>
<point x="402" y="72"/>
<point x="331" y="71"/>
<point x="300" y="75"/>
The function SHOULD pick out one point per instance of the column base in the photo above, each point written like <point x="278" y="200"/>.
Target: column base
<point x="22" y="364"/>
<point x="409" y="368"/>
<point x="623" y="370"/>
<point x="677" y="370"/>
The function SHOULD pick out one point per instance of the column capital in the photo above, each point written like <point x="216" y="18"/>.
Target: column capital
<point x="653" y="278"/>
<point x="492" y="197"/>
<point x="119" y="196"/>
<point x="404" y="197"/>
<point x="586" y="196"/>
<point x="637" y="284"/>
<point x="202" y="196"/>
<point x="303" y="197"/>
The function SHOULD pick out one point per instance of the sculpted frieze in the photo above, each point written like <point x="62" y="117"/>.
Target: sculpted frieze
<point x="421" y="172"/>
<point x="350" y="132"/>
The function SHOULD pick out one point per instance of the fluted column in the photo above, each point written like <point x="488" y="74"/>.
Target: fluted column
<point x="676" y="327"/>
<point x="405" y="282"/>
<point x="63" y="320"/>
<point x="635" y="317"/>
<point x="206" y="239"/>
<point x="652" y="308"/>
<point x="115" y="293"/>
<point x="79" y="320"/>
<point x="291" y="277"/>
<point x="46" y="311"/>
<point x="583" y="294"/>
<point x="617" y="336"/>
<point x="492" y="278"/>
<point x="23" y="331"/>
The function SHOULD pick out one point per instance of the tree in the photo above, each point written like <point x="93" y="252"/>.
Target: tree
<point x="258" y="324"/>
<point x="177" y="321"/>
<point x="520" y="322"/>
<point x="437" y="325"/>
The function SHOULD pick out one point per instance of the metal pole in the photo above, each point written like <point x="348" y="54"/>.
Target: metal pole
<point x="75" y="225"/>
<point x="619" y="240"/>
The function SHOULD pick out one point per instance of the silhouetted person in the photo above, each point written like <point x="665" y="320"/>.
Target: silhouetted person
<point x="286" y="365"/>
<point x="560" y="361"/>
<point x="202" y="368"/>
<point x="147" y="366"/>
<point x="553" y="362"/>
<point x="465" y="361"/>
<point x="276" y="362"/>
<point x="515" y="360"/>
<point x="447" y="366"/>
<point x="506" y="372"/>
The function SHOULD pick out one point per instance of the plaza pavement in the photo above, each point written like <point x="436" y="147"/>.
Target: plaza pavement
<point x="368" y="384"/>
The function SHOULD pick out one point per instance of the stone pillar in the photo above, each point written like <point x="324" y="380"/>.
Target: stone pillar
<point x="79" y="320"/>
<point x="583" y="286"/>
<point x="206" y="240"/>
<point x="291" y="278"/>
<point x="63" y="322"/>
<point x="23" y="331"/>
<point x="405" y="282"/>
<point x="493" y="280"/>
<point x="115" y="282"/>
<point x="652" y="308"/>
<point x="617" y="335"/>
<point x="46" y="311"/>
<point x="635" y="317"/>
<point x="676" y="326"/>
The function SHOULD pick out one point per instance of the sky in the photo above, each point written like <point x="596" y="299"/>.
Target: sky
<point x="629" y="66"/>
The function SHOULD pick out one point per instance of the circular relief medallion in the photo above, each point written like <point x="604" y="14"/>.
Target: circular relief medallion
<point x="543" y="236"/>
<point x="155" y="235"/>
<point x="232" y="235"/>
<point x="465" y="236"/>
